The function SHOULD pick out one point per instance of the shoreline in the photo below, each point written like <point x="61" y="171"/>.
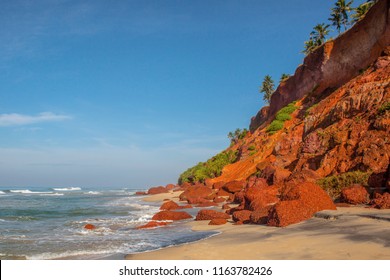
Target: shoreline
<point x="348" y="233"/>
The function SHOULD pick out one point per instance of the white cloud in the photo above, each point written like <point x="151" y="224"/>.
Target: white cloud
<point x="19" y="119"/>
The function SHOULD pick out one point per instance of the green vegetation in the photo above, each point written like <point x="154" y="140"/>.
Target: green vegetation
<point x="284" y="77"/>
<point x="385" y="107"/>
<point x="340" y="16"/>
<point x="251" y="148"/>
<point x="282" y="115"/>
<point x="275" y="126"/>
<point x="317" y="37"/>
<point x="238" y="134"/>
<point x="340" y="13"/>
<point x="361" y="11"/>
<point x="268" y="88"/>
<point x="209" y="169"/>
<point x="334" y="184"/>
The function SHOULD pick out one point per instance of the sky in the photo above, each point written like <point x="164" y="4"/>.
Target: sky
<point x="132" y="93"/>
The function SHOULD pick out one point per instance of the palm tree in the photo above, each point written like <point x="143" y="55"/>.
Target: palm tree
<point x="340" y="12"/>
<point x="310" y="46"/>
<point x="267" y="88"/>
<point x="319" y="33"/>
<point x="361" y="11"/>
<point x="336" y="19"/>
<point x="317" y="37"/>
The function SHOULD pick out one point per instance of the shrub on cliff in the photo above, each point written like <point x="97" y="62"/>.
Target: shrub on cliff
<point x="282" y="115"/>
<point x="209" y="169"/>
<point x="334" y="184"/>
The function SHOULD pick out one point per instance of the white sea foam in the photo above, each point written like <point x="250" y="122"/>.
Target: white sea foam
<point x="52" y="194"/>
<point x="92" y="192"/>
<point x="29" y="192"/>
<point x="67" y="189"/>
<point x="1" y="192"/>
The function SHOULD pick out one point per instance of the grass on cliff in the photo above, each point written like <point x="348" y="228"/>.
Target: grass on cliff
<point x="282" y="115"/>
<point x="210" y="169"/>
<point x="334" y="184"/>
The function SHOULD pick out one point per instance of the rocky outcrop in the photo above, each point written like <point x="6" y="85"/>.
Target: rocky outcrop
<point x="259" y="119"/>
<point x="299" y="203"/>
<point x="234" y="186"/>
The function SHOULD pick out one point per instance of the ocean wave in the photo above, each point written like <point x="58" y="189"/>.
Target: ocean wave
<point x="1" y="192"/>
<point x="92" y="192"/>
<point x="29" y="192"/>
<point x="52" y="194"/>
<point x="67" y="189"/>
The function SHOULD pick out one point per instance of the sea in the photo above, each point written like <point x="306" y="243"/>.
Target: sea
<point x="48" y="223"/>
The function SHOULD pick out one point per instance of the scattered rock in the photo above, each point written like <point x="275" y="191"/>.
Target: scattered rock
<point x="219" y="200"/>
<point x="218" y="185"/>
<point x="153" y="224"/>
<point x="90" y="227"/>
<point x="223" y="193"/>
<point x="210" y="215"/>
<point x="260" y="217"/>
<point x="169" y="205"/>
<point x="171" y="215"/>
<point x="234" y="186"/>
<point x="242" y="216"/>
<point x="141" y="193"/>
<point x="170" y="187"/>
<point x="195" y="193"/>
<point x="217" y="222"/>
<point x="355" y="194"/>
<point x="381" y="201"/>
<point x="157" y="190"/>
<point x="225" y="206"/>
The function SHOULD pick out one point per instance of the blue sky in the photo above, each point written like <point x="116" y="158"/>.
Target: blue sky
<point x="132" y="93"/>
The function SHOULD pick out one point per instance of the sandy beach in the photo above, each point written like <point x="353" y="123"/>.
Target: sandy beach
<point x="351" y="233"/>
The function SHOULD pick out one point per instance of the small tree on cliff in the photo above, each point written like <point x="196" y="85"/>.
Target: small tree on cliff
<point x="317" y="37"/>
<point x="284" y="77"/>
<point x="267" y="88"/>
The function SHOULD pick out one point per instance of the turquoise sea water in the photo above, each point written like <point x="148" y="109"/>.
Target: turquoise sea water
<point x="48" y="223"/>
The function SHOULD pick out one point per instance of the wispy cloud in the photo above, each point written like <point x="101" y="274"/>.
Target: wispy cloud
<point x="19" y="119"/>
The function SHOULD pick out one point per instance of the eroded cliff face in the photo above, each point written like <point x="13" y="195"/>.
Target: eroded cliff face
<point x="346" y="131"/>
<point x="336" y="62"/>
<point x="335" y="135"/>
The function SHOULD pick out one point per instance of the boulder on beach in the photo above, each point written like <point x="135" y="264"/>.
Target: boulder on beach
<point x="171" y="215"/>
<point x="355" y="194"/>
<point x="217" y="222"/>
<point x="90" y="227"/>
<point x="299" y="203"/>
<point x="157" y="190"/>
<point x="153" y="224"/>
<point x="243" y="216"/>
<point x="196" y="193"/>
<point x="206" y="214"/>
